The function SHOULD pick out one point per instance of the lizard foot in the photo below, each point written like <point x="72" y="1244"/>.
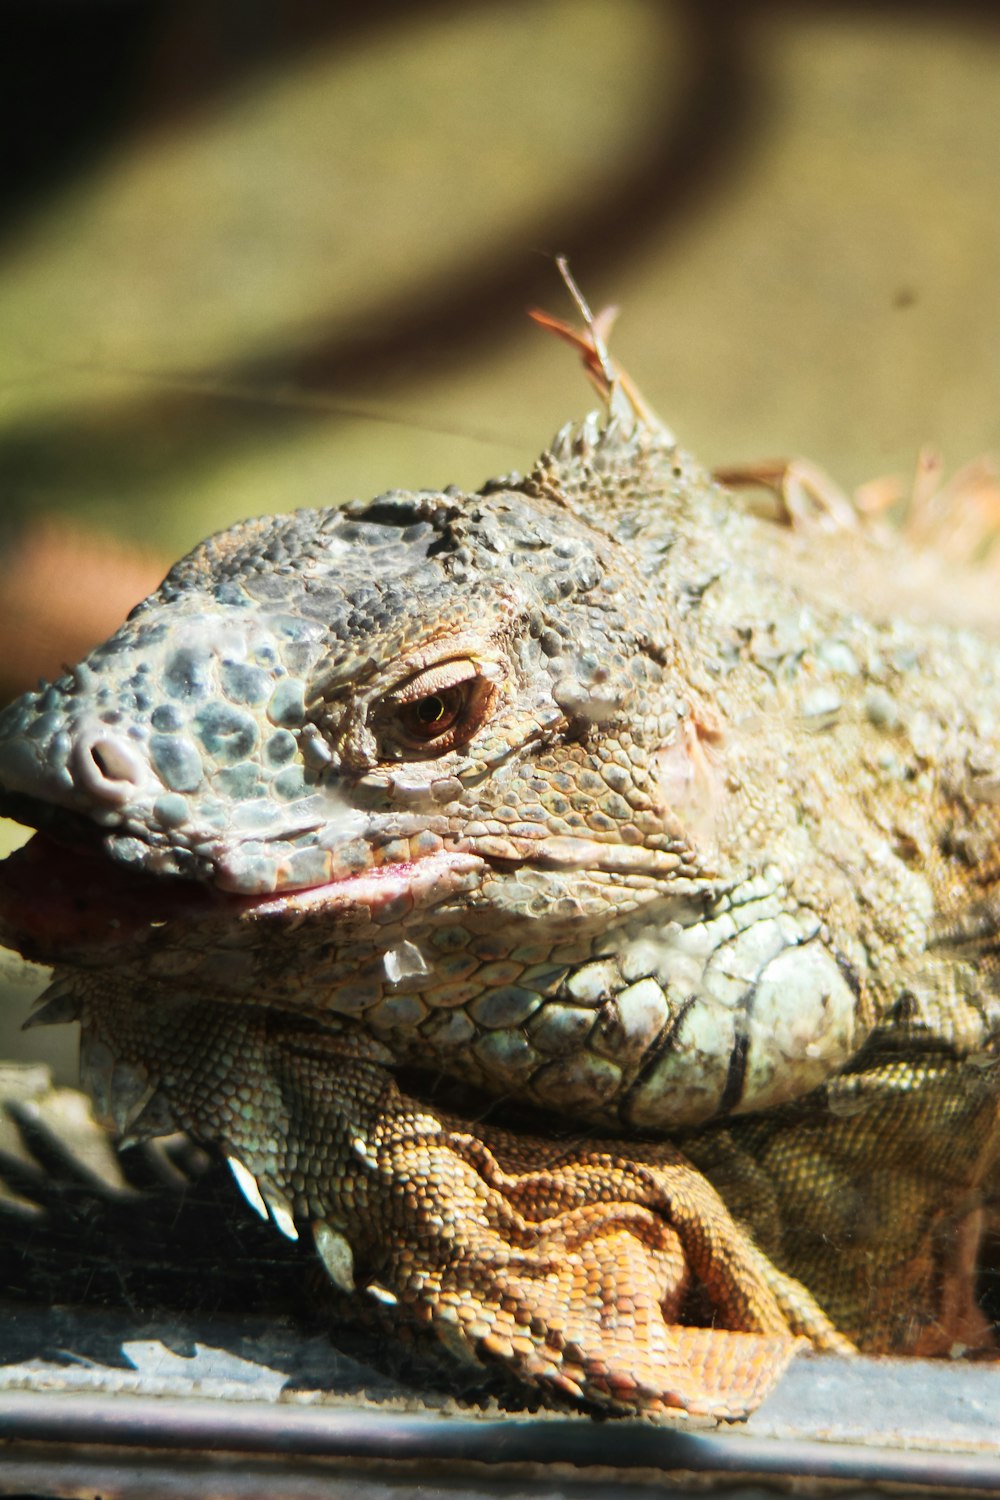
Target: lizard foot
<point x="573" y="1265"/>
<point x="609" y="1273"/>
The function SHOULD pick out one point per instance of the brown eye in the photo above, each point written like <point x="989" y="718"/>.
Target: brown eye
<point x="438" y="709"/>
<point x="428" y="718"/>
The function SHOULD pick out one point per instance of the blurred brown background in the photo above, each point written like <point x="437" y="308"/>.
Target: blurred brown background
<point x="255" y="255"/>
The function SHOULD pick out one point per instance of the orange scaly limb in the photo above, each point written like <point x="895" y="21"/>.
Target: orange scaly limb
<point x="573" y="1264"/>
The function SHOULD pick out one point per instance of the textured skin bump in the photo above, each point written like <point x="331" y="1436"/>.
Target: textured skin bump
<point x="601" y="795"/>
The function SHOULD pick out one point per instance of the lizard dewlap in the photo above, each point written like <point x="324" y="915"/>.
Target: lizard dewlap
<point x="583" y="790"/>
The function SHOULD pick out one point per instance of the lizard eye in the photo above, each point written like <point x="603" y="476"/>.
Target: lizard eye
<point x="440" y="708"/>
<point x="429" y="718"/>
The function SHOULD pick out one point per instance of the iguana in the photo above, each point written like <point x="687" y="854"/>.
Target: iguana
<point x="670" y="827"/>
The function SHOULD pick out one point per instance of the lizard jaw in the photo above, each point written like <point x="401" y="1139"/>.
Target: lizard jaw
<point x="63" y="903"/>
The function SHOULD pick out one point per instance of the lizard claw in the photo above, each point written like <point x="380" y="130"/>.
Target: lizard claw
<point x="335" y="1252"/>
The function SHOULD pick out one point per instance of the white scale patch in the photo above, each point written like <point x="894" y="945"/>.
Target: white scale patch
<point x="748" y="975"/>
<point x="404" y="962"/>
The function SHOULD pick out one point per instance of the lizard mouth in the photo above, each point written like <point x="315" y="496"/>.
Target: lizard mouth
<point x="57" y="896"/>
<point x="64" y="897"/>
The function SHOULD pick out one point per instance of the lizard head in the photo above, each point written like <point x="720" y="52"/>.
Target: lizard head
<point x="331" y="736"/>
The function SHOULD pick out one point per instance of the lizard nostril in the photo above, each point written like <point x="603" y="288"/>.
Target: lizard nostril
<point x="100" y="761"/>
<point x="114" y="761"/>
<point x="107" y="768"/>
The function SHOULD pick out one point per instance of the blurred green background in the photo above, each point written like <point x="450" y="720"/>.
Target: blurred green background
<point x="257" y="255"/>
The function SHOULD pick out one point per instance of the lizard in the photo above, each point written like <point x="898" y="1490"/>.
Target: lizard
<point x="668" y="826"/>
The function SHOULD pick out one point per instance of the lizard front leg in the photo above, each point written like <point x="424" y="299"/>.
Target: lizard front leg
<point x="573" y="1265"/>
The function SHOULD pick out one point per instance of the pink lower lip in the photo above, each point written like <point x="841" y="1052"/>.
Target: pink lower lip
<point x="372" y="888"/>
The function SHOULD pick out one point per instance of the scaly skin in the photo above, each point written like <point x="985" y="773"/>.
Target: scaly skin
<point x="597" y="793"/>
